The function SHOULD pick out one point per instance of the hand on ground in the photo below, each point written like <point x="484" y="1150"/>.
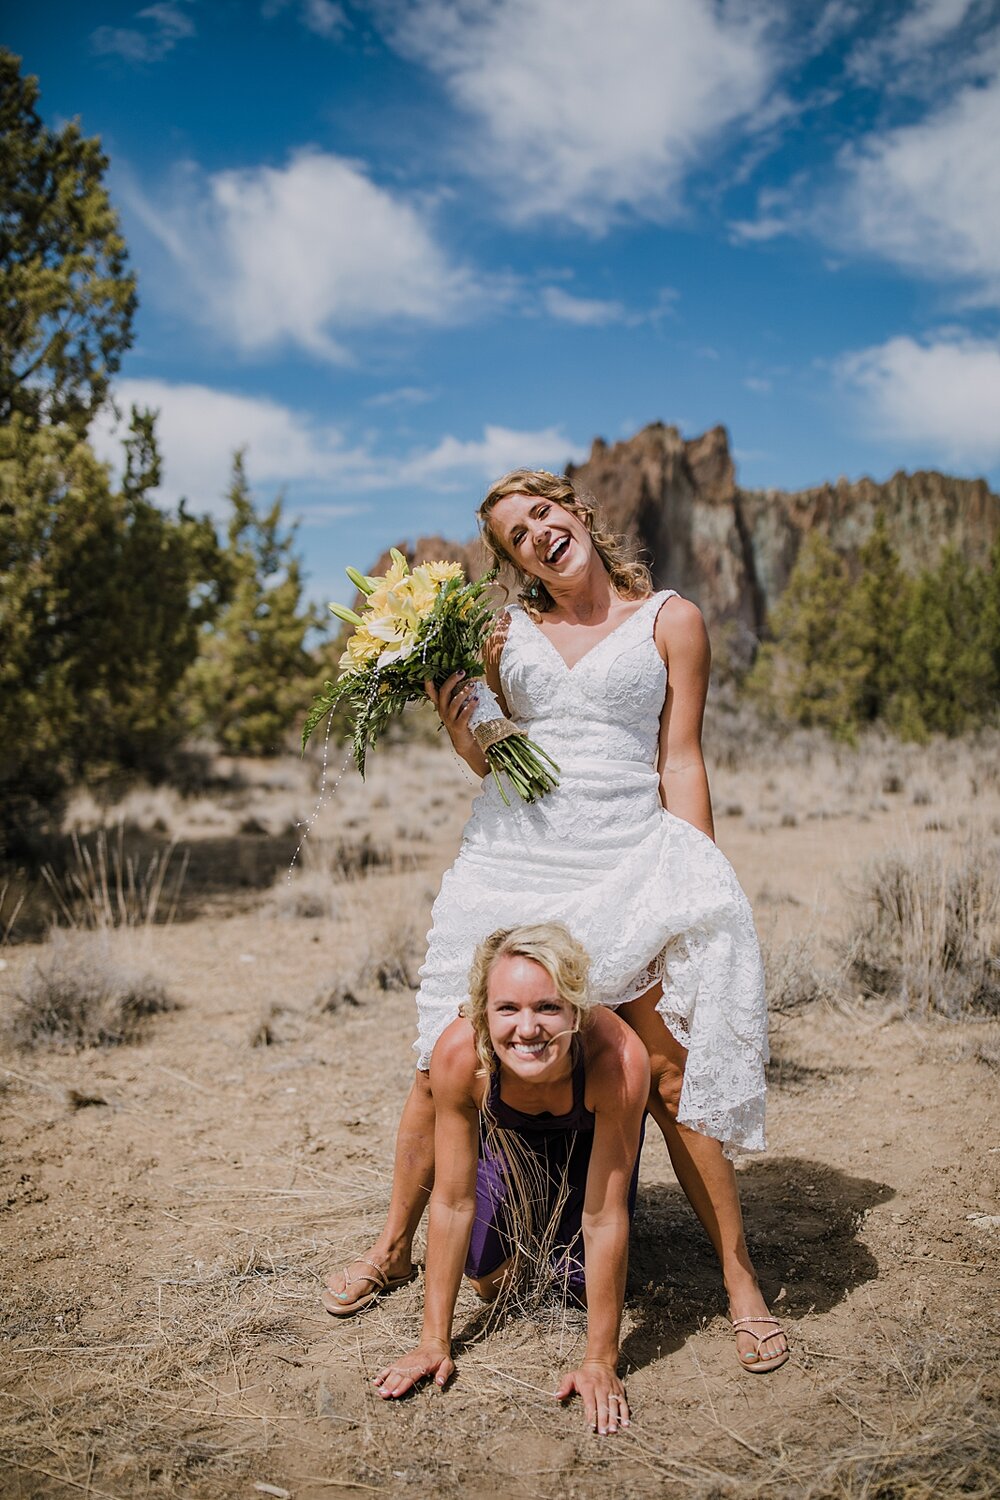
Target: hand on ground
<point x="605" y="1405"/>
<point x="429" y="1358"/>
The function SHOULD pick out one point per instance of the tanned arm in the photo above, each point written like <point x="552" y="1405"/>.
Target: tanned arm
<point x="452" y="1211"/>
<point x="682" y="641"/>
<point x="617" y="1089"/>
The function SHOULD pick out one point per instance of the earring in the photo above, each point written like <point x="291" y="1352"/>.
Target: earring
<point x="534" y="591"/>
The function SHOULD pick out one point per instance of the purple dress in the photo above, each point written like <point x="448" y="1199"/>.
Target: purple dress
<point x="561" y="1145"/>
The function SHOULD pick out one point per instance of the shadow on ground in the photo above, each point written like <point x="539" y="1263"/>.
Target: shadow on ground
<point x="803" y="1219"/>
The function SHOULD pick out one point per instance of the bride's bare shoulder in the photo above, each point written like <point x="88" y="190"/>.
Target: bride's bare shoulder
<point x="680" y="629"/>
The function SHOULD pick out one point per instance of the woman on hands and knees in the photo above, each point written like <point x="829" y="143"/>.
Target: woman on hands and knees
<point x="539" y="1098"/>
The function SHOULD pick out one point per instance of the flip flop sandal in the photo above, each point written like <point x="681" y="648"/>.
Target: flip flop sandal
<point x="754" y="1362"/>
<point x="379" y="1284"/>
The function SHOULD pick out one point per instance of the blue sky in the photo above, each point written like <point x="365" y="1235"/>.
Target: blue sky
<point x="398" y="247"/>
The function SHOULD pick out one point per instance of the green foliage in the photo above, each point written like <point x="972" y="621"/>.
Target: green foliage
<point x="66" y="297"/>
<point x="101" y="598"/>
<point x="920" y="654"/>
<point x="868" y="632"/>
<point x="254" y="670"/>
<point x="947" y="657"/>
<point x="802" y="673"/>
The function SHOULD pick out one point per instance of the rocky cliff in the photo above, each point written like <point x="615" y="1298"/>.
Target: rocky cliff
<point x="732" y="550"/>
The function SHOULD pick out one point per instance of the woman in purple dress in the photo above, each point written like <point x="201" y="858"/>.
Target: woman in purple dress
<point x="539" y="1098"/>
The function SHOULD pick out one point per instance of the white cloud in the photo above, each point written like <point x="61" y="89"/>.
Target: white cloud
<point x="927" y="195"/>
<point x="587" y="108"/>
<point x="305" y="253"/>
<point x="924" y="196"/>
<point x="910" y="40"/>
<point x="322" y="17"/>
<point x="404" y="395"/>
<point x="585" y="312"/>
<point x="942" y="398"/>
<point x="500" y="449"/>
<point x="167" y="25"/>
<point x="200" y="428"/>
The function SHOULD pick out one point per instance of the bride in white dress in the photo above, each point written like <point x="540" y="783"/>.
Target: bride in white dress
<point x="610" y="679"/>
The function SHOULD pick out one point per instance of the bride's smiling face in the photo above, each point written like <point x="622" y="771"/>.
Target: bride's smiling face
<point x="544" y="539"/>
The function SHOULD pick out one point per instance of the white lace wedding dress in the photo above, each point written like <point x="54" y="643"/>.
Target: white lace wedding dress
<point x="649" y="896"/>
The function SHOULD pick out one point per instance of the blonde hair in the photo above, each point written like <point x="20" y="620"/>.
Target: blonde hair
<point x="566" y="962"/>
<point x="535" y="1195"/>
<point x="629" y="577"/>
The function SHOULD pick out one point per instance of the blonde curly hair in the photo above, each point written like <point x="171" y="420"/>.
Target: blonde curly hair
<point x="566" y="962"/>
<point x="629" y="577"/>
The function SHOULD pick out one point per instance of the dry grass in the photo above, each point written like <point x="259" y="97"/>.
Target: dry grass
<point x="158" y="1401"/>
<point x="794" y="978"/>
<point x="936" y="1437"/>
<point x="172" y="1364"/>
<point x="79" y="993"/>
<point x="927" y="931"/>
<point x="106" y="886"/>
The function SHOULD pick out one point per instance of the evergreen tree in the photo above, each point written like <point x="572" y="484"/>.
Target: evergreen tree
<point x="991" y="623"/>
<point x="807" y="672"/>
<point x="254" y="675"/>
<point x="66" y="297"/>
<point x="101" y="598"/>
<point x="871" y="627"/>
<point x="947" y="667"/>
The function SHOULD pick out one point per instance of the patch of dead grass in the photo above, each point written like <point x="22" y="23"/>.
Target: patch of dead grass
<point x="80" y="993"/>
<point x="926" y="930"/>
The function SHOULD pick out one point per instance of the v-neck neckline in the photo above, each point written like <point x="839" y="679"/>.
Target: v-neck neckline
<point x="591" y="649"/>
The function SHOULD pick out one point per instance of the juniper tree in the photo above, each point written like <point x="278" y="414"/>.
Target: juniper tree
<point x="946" y="656"/>
<point x="871" y="625"/>
<point x="66" y="296"/>
<point x="255" y="675"/>
<point x="805" y="672"/>
<point x="102" y="595"/>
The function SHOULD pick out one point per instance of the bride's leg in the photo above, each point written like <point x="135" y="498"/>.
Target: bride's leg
<point x="707" y="1178"/>
<point x="412" y="1180"/>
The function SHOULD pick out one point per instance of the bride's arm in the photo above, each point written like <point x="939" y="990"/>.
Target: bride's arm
<point x="683" y="643"/>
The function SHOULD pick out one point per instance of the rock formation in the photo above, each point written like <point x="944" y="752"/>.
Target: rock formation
<point x="732" y="550"/>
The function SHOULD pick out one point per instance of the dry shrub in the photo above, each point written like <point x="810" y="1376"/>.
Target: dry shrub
<point x="308" y="889"/>
<point x="793" y="977"/>
<point x="107" y="886"/>
<point x="277" y="1025"/>
<point x="927" y="931"/>
<point x="336" y="995"/>
<point x="391" y="960"/>
<point x="79" y="994"/>
<point x="386" y="959"/>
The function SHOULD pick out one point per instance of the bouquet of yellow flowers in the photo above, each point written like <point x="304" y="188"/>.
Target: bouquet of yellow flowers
<point x="422" y="626"/>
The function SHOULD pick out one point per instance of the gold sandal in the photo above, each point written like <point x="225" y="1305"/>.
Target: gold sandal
<point x="753" y="1361"/>
<point x="379" y="1283"/>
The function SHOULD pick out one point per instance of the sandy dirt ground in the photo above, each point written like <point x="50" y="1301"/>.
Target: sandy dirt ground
<point x="170" y="1207"/>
